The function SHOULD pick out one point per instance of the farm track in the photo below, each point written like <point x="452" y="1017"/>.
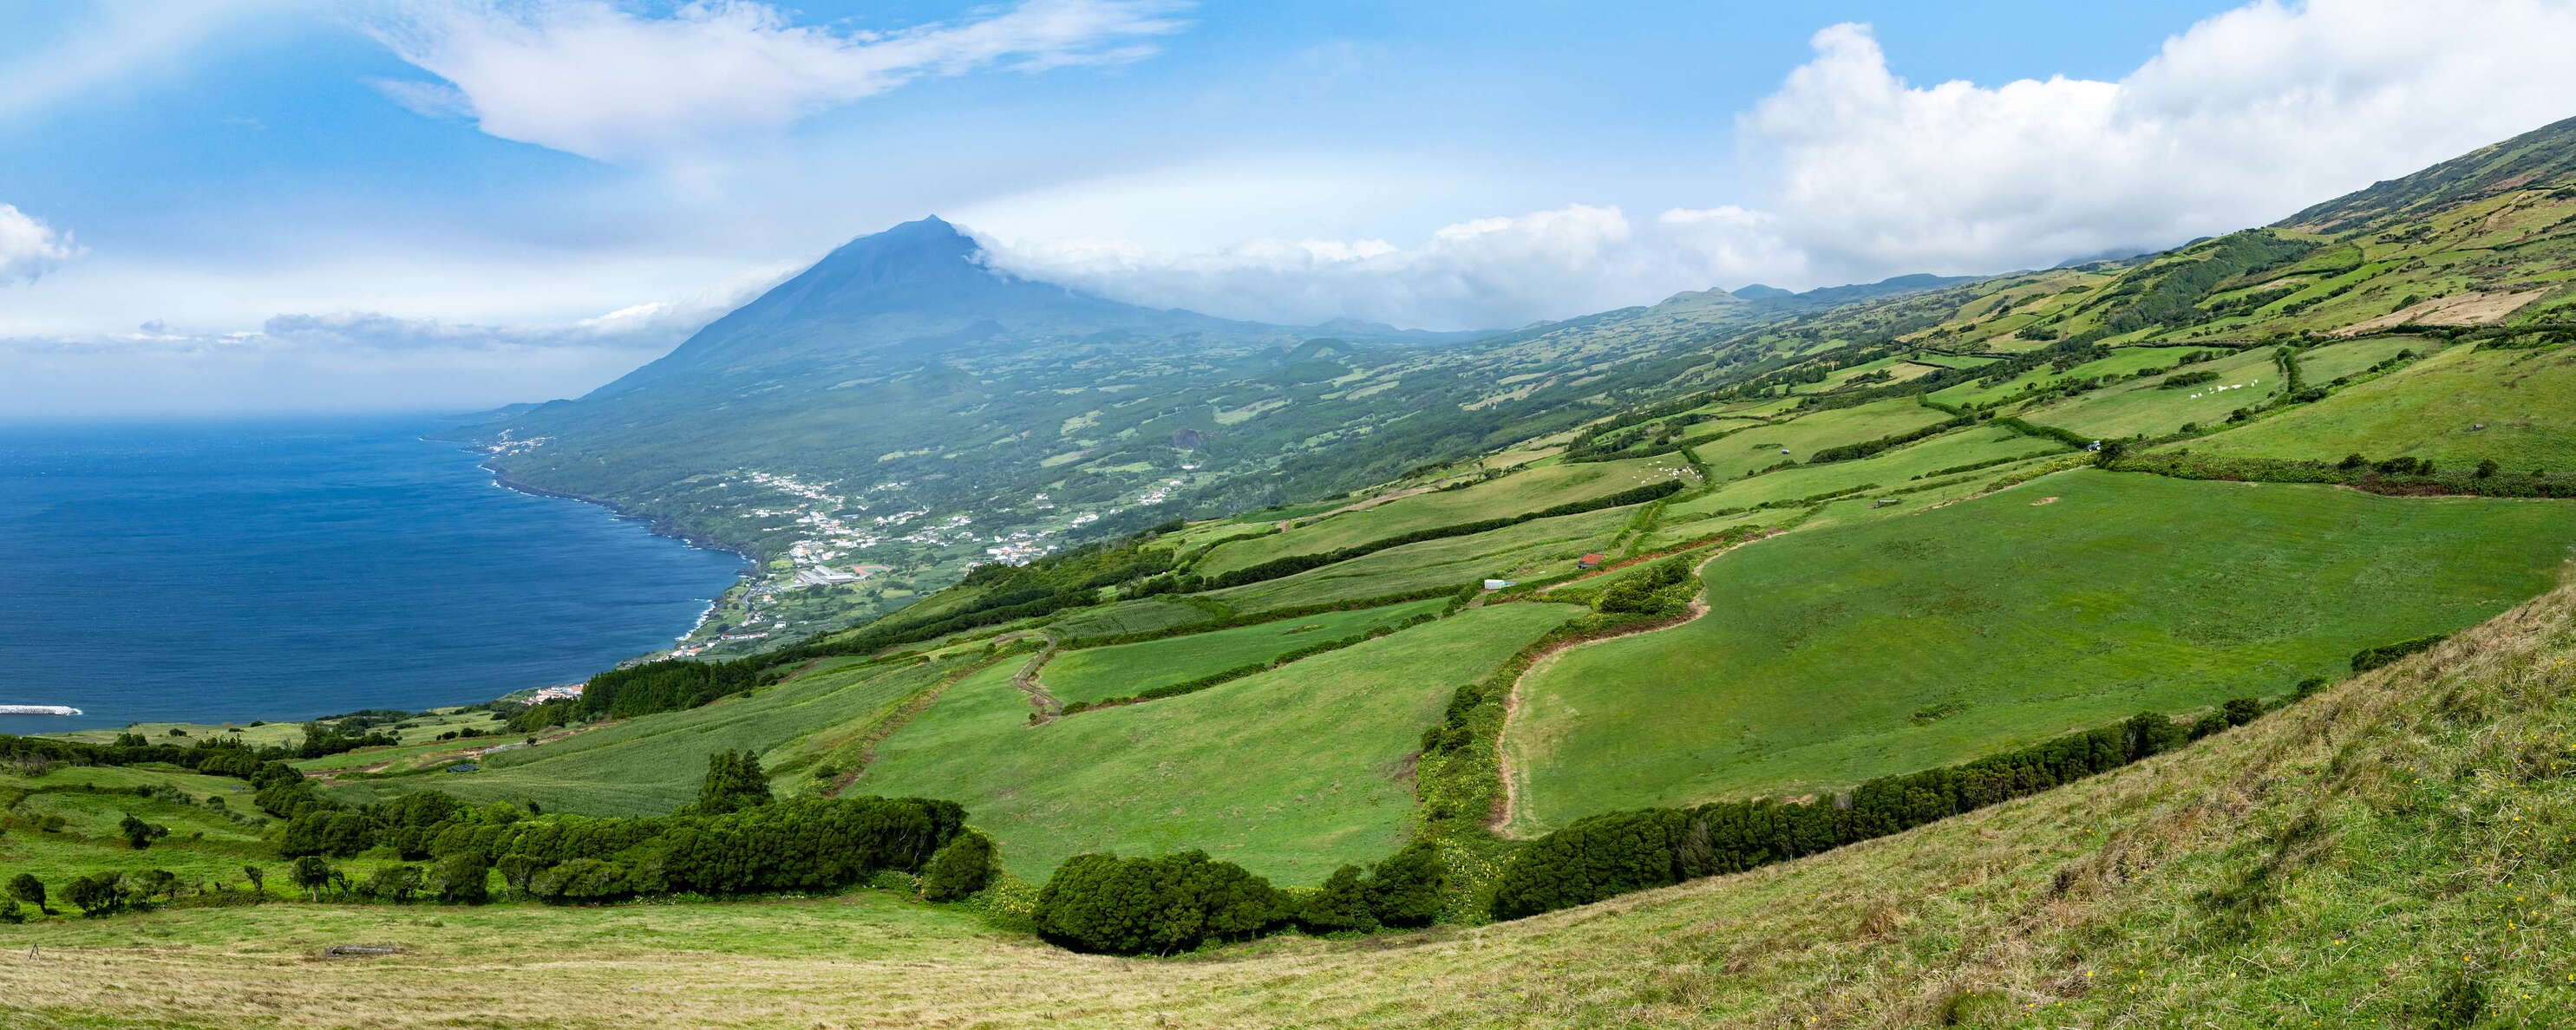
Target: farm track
<point x="1048" y="708"/>
<point x="1502" y="821"/>
<point x="897" y="720"/>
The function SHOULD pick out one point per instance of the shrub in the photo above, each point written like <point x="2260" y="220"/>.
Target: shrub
<point x="140" y="834"/>
<point x="97" y="894"/>
<point x="11" y="913"/>
<point x="1405" y="888"/>
<point x="2241" y="710"/>
<point x="961" y="868"/>
<point x="1162" y="905"/>
<point x="463" y="878"/>
<point x="584" y="879"/>
<point x="25" y="887"/>
<point x="734" y="782"/>
<point x="2369" y="658"/>
<point x="1342" y="903"/>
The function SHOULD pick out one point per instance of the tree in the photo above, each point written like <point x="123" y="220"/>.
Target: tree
<point x="11" y="913"/>
<point x="1404" y="890"/>
<point x="2242" y="710"/>
<point x="2487" y="468"/>
<point x="258" y="882"/>
<point x="960" y="869"/>
<point x="25" y="887"/>
<point x="1341" y="904"/>
<point x="311" y="873"/>
<point x="518" y="870"/>
<point x="141" y="834"/>
<point x="97" y="894"/>
<point x="394" y="882"/>
<point x="734" y="782"/>
<point x="462" y="878"/>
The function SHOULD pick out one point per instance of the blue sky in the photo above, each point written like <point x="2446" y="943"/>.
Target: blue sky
<point x="282" y="204"/>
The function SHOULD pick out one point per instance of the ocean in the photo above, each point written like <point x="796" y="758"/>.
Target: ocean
<point x="282" y="570"/>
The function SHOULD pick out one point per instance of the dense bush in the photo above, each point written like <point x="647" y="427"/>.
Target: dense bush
<point x="961" y="868"/>
<point x="2369" y="658"/>
<point x="1618" y="852"/>
<point x="1154" y="906"/>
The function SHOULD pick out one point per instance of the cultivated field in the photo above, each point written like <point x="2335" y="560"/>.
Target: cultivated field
<point x="1759" y="447"/>
<point x="1515" y="494"/>
<point x="1535" y="547"/>
<point x="2525" y="399"/>
<point x="1124" y="670"/>
<point x="1289" y="773"/>
<point x="1832" y="656"/>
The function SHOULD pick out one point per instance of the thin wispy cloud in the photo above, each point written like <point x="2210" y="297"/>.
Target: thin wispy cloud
<point x="591" y="78"/>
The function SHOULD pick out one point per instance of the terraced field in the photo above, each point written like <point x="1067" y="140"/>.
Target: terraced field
<point x="2456" y="408"/>
<point x="1893" y="469"/>
<point x="1290" y="772"/>
<point x="1532" y="548"/>
<point x="1830" y="656"/>
<point x="651" y="765"/>
<point x="1124" y="670"/>
<point x="1533" y="489"/>
<point x="1762" y="446"/>
<point x="2245" y="380"/>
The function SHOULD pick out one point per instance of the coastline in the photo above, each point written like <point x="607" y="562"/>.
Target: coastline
<point x="658" y="527"/>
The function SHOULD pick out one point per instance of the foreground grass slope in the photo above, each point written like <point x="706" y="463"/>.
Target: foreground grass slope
<point x="2392" y="852"/>
<point x="1833" y="656"/>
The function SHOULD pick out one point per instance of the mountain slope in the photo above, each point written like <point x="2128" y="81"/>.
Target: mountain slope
<point x="901" y="405"/>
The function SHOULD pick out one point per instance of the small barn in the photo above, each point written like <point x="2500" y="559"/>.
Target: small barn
<point x="1590" y="561"/>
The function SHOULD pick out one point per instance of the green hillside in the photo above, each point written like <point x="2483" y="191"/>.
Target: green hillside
<point x="2023" y="645"/>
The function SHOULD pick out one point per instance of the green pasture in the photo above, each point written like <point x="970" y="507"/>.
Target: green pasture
<point x="1124" y="670"/>
<point x="1518" y="493"/>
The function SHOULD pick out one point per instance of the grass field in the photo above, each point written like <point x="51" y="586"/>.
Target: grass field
<point x="1138" y="616"/>
<point x="1518" y="493"/>
<point x="1290" y="772"/>
<point x="2359" y="860"/>
<point x="1889" y="469"/>
<point x="2143" y="407"/>
<point x="2322" y="365"/>
<point x="1832" y="656"/>
<point x="1760" y="447"/>
<point x="1536" y="547"/>
<point x="205" y="842"/>
<point x="2526" y="399"/>
<point x="2122" y="362"/>
<point x="1100" y="673"/>
<point x="650" y="765"/>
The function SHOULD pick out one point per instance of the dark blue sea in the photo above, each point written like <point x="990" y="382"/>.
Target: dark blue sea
<point x="283" y="570"/>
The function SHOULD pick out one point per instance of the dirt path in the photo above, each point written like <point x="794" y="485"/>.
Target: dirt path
<point x="1508" y="813"/>
<point x="1048" y="708"/>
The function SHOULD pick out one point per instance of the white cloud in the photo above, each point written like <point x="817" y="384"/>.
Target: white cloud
<point x="2238" y="121"/>
<point x="30" y="248"/>
<point x="591" y="78"/>
<point x="1480" y="272"/>
<point x="351" y="361"/>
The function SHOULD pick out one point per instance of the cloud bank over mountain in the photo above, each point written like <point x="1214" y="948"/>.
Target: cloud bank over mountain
<point x="2238" y="121"/>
